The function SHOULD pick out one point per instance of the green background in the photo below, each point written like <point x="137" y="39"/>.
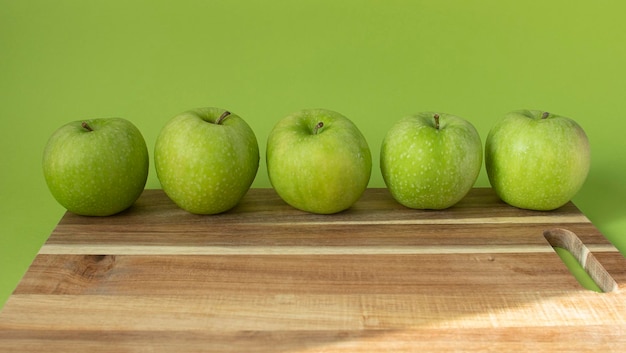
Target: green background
<point x="373" y="61"/>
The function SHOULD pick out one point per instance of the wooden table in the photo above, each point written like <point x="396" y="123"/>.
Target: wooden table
<point x="264" y="277"/>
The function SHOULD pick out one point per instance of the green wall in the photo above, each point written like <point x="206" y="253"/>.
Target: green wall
<point x="373" y="61"/>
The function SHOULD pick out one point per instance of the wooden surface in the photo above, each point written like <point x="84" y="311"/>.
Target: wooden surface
<point x="264" y="277"/>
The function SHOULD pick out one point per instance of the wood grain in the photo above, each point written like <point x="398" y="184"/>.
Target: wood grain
<point x="264" y="277"/>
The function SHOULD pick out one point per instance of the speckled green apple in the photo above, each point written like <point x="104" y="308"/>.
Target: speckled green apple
<point x="206" y="160"/>
<point x="430" y="160"/>
<point x="96" y="167"/>
<point x="536" y="160"/>
<point x="318" y="161"/>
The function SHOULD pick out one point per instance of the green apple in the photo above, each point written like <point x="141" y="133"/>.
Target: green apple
<point x="318" y="161"/>
<point x="536" y="160"/>
<point x="430" y="160"/>
<point x="206" y="160"/>
<point x="96" y="167"/>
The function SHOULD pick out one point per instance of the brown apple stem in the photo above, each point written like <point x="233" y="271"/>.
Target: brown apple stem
<point x="545" y="115"/>
<point x="318" y="127"/>
<point x="86" y="126"/>
<point x="436" y="117"/>
<point x="222" y="117"/>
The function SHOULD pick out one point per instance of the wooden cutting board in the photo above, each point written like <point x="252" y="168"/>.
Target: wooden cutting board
<point x="264" y="277"/>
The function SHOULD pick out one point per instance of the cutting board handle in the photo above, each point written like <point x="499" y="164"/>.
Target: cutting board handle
<point x="568" y="240"/>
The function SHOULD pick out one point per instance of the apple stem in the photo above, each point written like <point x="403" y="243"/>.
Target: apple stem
<point x="86" y="126"/>
<point x="222" y="117"/>
<point x="436" y="117"/>
<point x="545" y="115"/>
<point x="318" y="127"/>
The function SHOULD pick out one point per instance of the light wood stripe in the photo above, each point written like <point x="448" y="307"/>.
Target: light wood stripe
<point x="74" y="249"/>
<point x="434" y="221"/>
